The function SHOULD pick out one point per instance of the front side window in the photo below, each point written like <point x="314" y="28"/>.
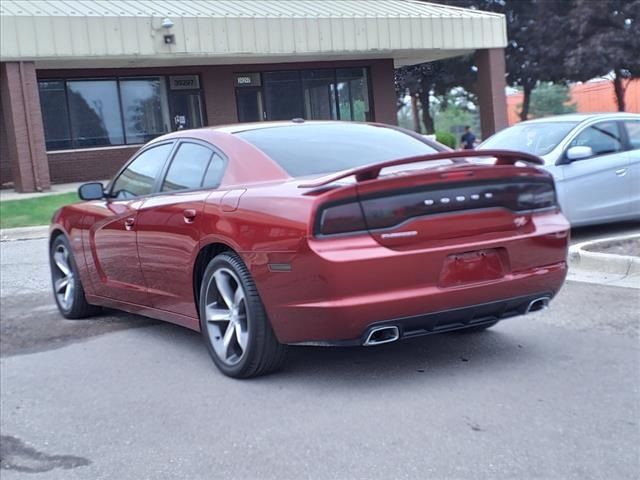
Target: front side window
<point x="95" y="113"/>
<point x="187" y="168"/>
<point x="633" y="132"/>
<point x="603" y="138"/>
<point x="140" y="175"/>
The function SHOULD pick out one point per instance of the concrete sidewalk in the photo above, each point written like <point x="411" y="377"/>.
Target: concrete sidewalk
<point x="11" y="194"/>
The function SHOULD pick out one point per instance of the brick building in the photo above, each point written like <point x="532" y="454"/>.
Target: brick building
<point x="84" y="84"/>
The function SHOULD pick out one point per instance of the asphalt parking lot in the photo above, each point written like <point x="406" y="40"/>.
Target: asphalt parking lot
<point x="552" y="395"/>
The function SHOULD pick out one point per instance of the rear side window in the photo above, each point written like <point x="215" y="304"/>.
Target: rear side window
<point x="214" y="172"/>
<point x="633" y="131"/>
<point x="140" y="176"/>
<point x="603" y="138"/>
<point x="311" y="149"/>
<point x="187" y="168"/>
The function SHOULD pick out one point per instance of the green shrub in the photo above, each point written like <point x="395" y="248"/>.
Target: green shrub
<point x="446" y="138"/>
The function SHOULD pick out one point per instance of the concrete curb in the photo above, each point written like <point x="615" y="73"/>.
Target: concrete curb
<point x="24" y="233"/>
<point x="611" y="263"/>
<point x="604" y="268"/>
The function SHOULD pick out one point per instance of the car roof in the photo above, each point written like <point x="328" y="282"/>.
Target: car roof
<point x="243" y="127"/>
<point x="582" y="117"/>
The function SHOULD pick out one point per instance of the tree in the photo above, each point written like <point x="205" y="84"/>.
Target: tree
<point x="536" y="40"/>
<point x="425" y="80"/>
<point x="606" y="39"/>
<point x="550" y="99"/>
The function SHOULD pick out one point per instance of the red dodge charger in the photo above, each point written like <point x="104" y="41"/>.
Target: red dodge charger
<point x="316" y="233"/>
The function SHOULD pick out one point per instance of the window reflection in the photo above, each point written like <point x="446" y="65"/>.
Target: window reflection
<point x="95" y="113"/>
<point x="139" y="177"/>
<point x="145" y="109"/>
<point x="187" y="167"/>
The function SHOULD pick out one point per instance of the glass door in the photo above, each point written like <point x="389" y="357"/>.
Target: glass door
<point x="186" y="110"/>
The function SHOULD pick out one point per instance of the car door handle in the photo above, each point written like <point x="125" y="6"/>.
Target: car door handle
<point x="128" y="223"/>
<point x="621" y="172"/>
<point x="189" y="215"/>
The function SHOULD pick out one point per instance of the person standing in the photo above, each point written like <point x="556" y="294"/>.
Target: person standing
<point x="468" y="139"/>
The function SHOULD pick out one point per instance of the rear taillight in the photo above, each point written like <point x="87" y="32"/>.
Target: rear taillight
<point x="389" y="209"/>
<point x="343" y="218"/>
<point x="537" y="196"/>
<point x="515" y="195"/>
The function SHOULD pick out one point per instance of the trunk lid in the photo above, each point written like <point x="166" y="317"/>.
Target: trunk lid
<point x="408" y="211"/>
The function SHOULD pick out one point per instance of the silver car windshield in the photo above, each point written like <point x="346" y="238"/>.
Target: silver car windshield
<point x="534" y="138"/>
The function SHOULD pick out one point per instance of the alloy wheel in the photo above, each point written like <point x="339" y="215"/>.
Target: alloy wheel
<point x="227" y="316"/>
<point x="63" y="277"/>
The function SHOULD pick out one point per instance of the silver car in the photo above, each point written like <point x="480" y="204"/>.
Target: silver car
<point x="594" y="158"/>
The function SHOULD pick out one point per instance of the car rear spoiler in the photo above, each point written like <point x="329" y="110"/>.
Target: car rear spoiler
<point x="371" y="172"/>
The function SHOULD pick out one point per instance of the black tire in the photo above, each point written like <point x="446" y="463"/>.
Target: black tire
<point x="477" y="328"/>
<point x="263" y="353"/>
<point x="77" y="306"/>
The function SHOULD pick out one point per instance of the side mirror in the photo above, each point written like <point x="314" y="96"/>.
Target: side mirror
<point x="578" y="153"/>
<point x="91" y="191"/>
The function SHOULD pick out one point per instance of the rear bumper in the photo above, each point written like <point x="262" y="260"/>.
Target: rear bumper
<point x="447" y="320"/>
<point x="335" y="292"/>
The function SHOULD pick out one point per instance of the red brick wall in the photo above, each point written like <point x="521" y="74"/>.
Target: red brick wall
<point x="6" y="175"/>
<point x="85" y="165"/>
<point x="384" y="92"/>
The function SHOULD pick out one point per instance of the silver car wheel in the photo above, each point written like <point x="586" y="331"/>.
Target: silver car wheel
<point x="63" y="278"/>
<point x="227" y="316"/>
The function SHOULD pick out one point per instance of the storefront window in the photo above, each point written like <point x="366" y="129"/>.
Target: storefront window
<point x="95" y="113"/>
<point x="145" y="109"/>
<point x="249" y="102"/>
<point x="319" y="94"/>
<point x="55" y="116"/>
<point x="282" y="95"/>
<point x="322" y="94"/>
<point x="353" y="94"/>
<point x="103" y="112"/>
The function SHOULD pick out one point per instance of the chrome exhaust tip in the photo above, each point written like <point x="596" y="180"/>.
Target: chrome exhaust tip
<point x="538" y="304"/>
<point x="380" y="335"/>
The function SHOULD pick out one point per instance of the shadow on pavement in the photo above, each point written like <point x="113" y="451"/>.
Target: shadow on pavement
<point x="28" y="326"/>
<point x="430" y="357"/>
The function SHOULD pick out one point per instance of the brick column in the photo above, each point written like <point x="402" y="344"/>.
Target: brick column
<point x="23" y="127"/>
<point x="384" y="92"/>
<point x="219" y="95"/>
<point x="490" y="89"/>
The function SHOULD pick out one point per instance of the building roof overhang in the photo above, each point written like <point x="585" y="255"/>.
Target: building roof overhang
<point x="127" y="33"/>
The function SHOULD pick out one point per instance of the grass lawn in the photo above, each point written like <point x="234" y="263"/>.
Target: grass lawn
<point x="33" y="211"/>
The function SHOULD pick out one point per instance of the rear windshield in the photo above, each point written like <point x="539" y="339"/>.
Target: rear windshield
<point x="311" y="149"/>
